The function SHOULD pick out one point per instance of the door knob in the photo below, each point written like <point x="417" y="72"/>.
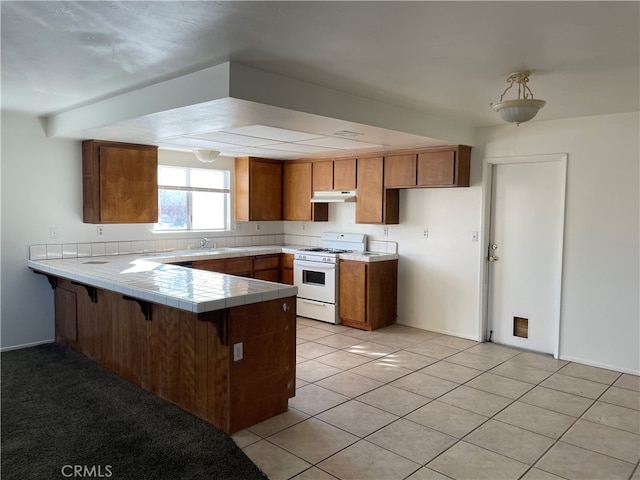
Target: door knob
<point x="494" y="246"/>
<point x="493" y="258"/>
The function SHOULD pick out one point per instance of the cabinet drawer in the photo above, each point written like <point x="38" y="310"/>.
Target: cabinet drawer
<point x="266" y="262"/>
<point x="210" y="265"/>
<point x="239" y="266"/>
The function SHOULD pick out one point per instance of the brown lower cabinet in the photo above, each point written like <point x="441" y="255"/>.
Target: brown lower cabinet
<point x="262" y="267"/>
<point x="184" y="357"/>
<point x="286" y="268"/>
<point x="368" y="297"/>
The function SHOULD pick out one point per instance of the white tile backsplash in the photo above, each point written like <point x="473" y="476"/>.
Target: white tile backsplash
<point x="111" y="248"/>
<point x="38" y="252"/>
<point x="124" y="248"/>
<point x="98" y="249"/>
<point x="54" y="251"/>
<point x="70" y="250"/>
<point x="73" y="250"/>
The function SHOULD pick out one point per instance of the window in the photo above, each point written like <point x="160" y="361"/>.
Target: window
<point x="192" y="199"/>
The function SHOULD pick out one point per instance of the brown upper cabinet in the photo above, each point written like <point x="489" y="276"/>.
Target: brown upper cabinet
<point x="400" y="170"/>
<point x="258" y="183"/>
<point x="322" y="176"/>
<point x="433" y="167"/>
<point x="334" y="174"/>
<point x="296" y="194"/>
<point x="374" y="203"/>
<point x="444" y="167"/>
<point x="344" y="174"/>
<point x="119" y="182"/>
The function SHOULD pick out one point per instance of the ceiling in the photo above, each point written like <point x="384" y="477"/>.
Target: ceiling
<point x="288" y="79"/>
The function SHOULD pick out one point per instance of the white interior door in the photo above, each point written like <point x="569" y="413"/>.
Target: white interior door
<point x="525" y="253"/>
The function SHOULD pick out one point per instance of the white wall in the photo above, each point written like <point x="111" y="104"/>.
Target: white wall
<point x="42" y="188"/>
<point x="600" y="311"/>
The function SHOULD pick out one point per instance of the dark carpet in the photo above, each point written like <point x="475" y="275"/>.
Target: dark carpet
<point x="61" y="411"/>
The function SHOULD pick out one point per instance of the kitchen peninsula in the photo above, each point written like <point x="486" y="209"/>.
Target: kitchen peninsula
<point x="221" y="347"/>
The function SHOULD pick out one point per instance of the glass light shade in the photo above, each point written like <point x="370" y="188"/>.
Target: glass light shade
<point x="206" y="156"/>
<point x="518" y="111"/>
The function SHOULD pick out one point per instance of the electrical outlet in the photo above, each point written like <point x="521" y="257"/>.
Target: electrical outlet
<point x="257" y="226"/>
<point x="100" y="230"/>
<point x="53" y="232"/>
<point x="474" y="236"/>
<point x="237" y="227"/>
<point x="425" y="233"/>
<point x="304" y="226"/>
<point x="385" y="231"/>
<point x="237" y="352"/>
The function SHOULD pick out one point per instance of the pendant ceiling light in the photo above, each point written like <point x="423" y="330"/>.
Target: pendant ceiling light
<point x="206" y="156"/>
<point x="522" y="109"/>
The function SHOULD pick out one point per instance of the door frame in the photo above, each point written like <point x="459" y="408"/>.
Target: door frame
<point x="487" y="189"/>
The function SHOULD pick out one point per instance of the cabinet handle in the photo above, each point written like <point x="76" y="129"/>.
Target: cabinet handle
<point x="285" y="307"/>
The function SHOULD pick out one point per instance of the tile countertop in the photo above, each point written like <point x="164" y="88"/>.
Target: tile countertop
<point x="151" y="276"/>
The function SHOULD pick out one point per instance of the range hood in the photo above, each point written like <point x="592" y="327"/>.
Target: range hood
<point x="334" y="196"/>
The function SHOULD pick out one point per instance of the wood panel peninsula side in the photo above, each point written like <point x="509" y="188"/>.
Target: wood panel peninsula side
<point x="229" y="360"/>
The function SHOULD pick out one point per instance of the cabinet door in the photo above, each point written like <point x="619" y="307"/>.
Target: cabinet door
<point x="370" y="190"/>
<point x="258" y="189"/>
<point x="266" y="262"/>
<point x="436" y="168"/>
<point x="322" y="176"/>
<point x="272" y="275"/>
<point x="120" y="182"/>
<point x="400" y="170"/>
<point x="352" y="292"/>
<point x="445" y="168"/>
<point x="297" y="191"/>
<point x="286" y="268"/>
<point x="344" y="174"/>
<point x="374" y="203"/>
<point x="265" y="190"/>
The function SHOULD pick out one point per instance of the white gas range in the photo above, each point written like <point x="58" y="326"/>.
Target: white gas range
<point x="315" y="273"/>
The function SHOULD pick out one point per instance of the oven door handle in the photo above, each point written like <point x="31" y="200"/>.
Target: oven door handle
<point x="314" y="302"/>
<point x="314" y="265"/>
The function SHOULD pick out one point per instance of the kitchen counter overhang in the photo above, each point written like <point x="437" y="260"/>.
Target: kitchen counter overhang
<point x="153" y="278"/>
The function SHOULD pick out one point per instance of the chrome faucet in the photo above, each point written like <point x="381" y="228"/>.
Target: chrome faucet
<point x="204" y="241"/>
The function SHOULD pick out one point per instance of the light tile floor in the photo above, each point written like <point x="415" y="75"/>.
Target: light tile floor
<point x="403" y="403"/>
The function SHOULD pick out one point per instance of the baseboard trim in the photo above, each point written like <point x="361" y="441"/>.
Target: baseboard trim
<point x="615" y="368"/>
<point x="442" y="332"/>
<point x="25" y="345"/>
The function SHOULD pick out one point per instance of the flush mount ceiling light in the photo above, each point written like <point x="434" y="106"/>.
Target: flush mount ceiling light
<point x="522" y="109"/>
<point x="206" y="156"/>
